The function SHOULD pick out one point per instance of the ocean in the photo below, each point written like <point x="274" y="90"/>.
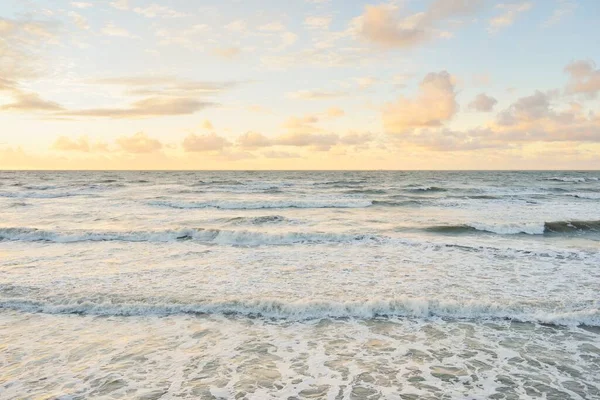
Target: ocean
<point x="300" y="285"/>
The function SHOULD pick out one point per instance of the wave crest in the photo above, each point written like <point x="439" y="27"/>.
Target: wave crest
<point x="403" y="307"/>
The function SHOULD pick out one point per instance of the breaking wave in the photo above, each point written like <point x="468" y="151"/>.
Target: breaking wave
<point x="267" y="204"/>
<point x="572" y="179"/>
<point x="206" y="236"/>
<point x="546" y="228"/>
<point x="403" y="307"/>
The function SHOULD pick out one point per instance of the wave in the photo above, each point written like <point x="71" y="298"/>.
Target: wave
<point x="218" y="182"/>
<point x="43" y="195"/>
<point x="586" y="196"/>
<point x="571" y="179"/>
<point x="402" y="307"/>
<point x="268" y="204"/>
<point x="342" y="183"/>
<point x="405" y="203"/>
<point x="267" y="219"/>
<point x="365" y="191"/>
<point x="546" y="228"/>
<point x="427" y="189"/>
<point x="205" y="236"/>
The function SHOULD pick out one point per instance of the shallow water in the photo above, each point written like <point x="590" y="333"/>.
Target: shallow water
<point x="329" y="285"/>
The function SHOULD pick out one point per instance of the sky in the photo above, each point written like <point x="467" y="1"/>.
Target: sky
<point x="299" y="84"/>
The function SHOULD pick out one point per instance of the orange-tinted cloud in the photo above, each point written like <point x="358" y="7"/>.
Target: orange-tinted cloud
<point x="433" y="105"/>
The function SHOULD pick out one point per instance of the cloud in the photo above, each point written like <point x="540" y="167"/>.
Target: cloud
<point x="315" y="94"/>
<point x="509" y="14"/>
<point x="272" y="27"/>
<point x="525" y="109"/>
<point x="584" y="78"/>
<point x="318" y="141"/>
<point x="335" y="112"/>
<point x="434" y="104"/>
<point x="315" y="22"/>
<point x="82" y="144"/>
<point x="381" y="25"/>
<point x="227" y="52"/>
<point x="110" y="29"/>
<point x="27" y="101"/>
<point x="80" y="4"/>
<point x="149" y="107"/>
<point x="201" y="143"/>
<point x="79" y="20"/>
<point x="385" y="26"/>
<point x="483" y="103"/>
<point x="139" y="143"/>
<point x="563" y="9"/>
<point x="157" y="11"/>
<point x="21" y="47"/>
<point x="279" y="154"/>
<point x="236" y="26"/>
<point x="145" y="85"/>
<point x="120" y="4"/>
<point x="366" y="82"/>
<point x="254" y="140"/>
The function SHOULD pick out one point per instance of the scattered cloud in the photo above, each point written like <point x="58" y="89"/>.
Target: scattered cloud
<point x="227" y="52"/>
<point x="81" y="144"/>
<point x="366" y="82"/>
<point x="120" y="4"/>
<point x="483" y="103"/>
<point x="157" y="11"/>
<point x="335" y="112"/>
<point x="139" y="143"/>
<point x="148" y="107"/>
<point x="385" y="26"/>
<point x="584" y="78"/>
<point x="509" y="13"/>
<point x="236" y="26"/>
<point x="79" y="20"/>
<point x="29" y="101"/>
<point x="563" y="9"/>
<point x="81" y="4"/>
<point x="254" y="140"/>
<point x="315" y="22"/>
<point x="110" y="29"/>
<point x="201" y="143"/>
<point x="315" y="94"/>
<point x="272" y="27"/>
<point x="434" y="104"/>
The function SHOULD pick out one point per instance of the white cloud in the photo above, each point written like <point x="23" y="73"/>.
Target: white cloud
<point x="79" y="20"/>
<point x="110" y="29"/>
<point x="80" y="4"/>
<point x="156" y="10"/>
<point x="508" y="15"/>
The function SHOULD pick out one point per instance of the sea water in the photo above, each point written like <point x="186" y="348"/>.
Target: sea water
<point x="300" y="285"/>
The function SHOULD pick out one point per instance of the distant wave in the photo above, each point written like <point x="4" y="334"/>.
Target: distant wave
<point x="426" y="189"/>
<point x="267" y="219"/>
<point x="267" y="204"/>
<point x="587" y="196"/>
<point x="365" y="191"/>
<point x="207" y="236"/>
<point x="401" y="203"/>
<point x="33" y="195"/>
<point x="342" y="183"/>
<point x="572" y="179"/>
<point x="403" y="307"/>
<point x="555" y="227"/>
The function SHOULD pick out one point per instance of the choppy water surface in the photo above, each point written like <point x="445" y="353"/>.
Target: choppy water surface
<point x="298" y="285"/>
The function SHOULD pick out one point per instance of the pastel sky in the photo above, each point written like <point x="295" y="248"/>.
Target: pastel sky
<point x="299" y="84"/>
